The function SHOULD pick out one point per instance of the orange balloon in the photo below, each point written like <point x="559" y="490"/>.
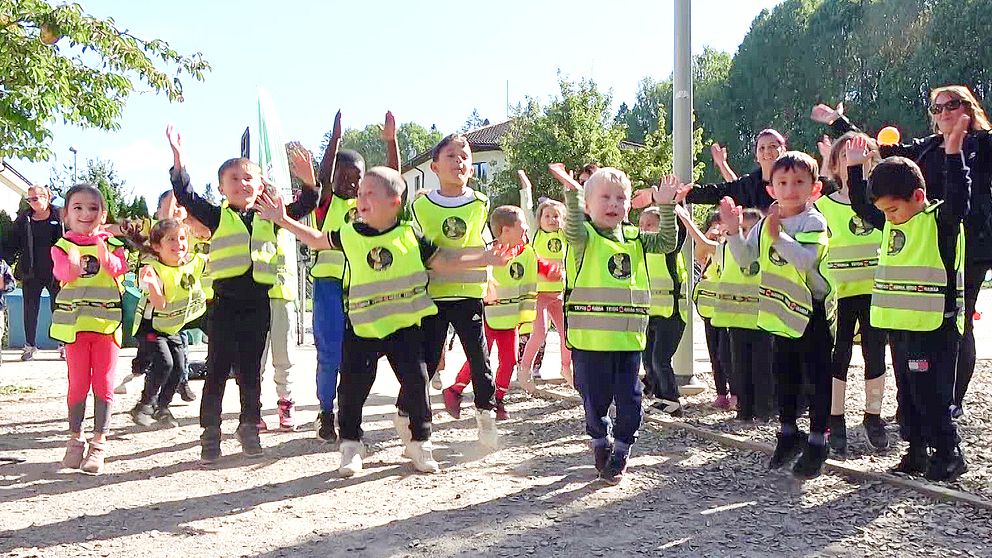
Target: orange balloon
<point x="888" y="135"/>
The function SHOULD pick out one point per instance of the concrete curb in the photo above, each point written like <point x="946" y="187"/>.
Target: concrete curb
<point x="933" y="491"/>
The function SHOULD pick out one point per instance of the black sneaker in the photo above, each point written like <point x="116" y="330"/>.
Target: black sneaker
<point x="810" y="463"/>
<point x="163" y="416"/>
<point x="875" y="429"/>
<point x="787" y="448"/>
<point x="957" y="411"/>
<point x="914" y="462"/>
<point x="325" y="427"/>
<point x="186" y="392"/>
<point x="602" y="455"/>
<point x="251" y="445"/>
<point x="142" y="414"/>
<point x="946" y="467"/>
<point x="670" y="408"/>
<point x="838" y="434"/>
<point x="210" y="444"/>
<point x="614" y="469"/>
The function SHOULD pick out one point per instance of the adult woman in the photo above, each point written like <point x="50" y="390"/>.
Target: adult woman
<point x="947" y="103"/>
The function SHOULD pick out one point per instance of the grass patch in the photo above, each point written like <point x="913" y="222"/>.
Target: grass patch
<point x="8" y="389"/>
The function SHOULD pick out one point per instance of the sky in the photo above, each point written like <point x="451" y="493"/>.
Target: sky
<point x="429" y="62"/>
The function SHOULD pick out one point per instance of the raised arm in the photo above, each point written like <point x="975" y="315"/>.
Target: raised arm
<point x="454" y="260"/>
<point x="197" y="206"/>
<point x="957" y="175"/>
<point x="704" y="245"/>
<point x="301" y="166"/>
<point x="857" y="187"/>
<point x="272" y="209"/>
<point x="325" y="174"/>
<point x="527" y="199"/>
<point x="669" y="192"/>
<point x="719" y="154"/>
<point x="392" y="146"/>
<point x="575" y="216"/>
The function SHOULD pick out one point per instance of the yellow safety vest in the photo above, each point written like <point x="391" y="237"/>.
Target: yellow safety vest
<point x="92" y="302"/>
<point x="233" y="251"/>
<point x="458" y="229"/>
<point x="284" y="288"/>
<point x="551" y="247"/>
<point x="185" y="300"/>
<point x="387" y="284"/>
<point x="911" y="282"/>
<point x="607" y="310"/>
<point x="201" y="248"/>
<point x="704" y="294"/>
<point x="664" y="288"/>
<point x="854" y="244"/>
<point x="330" y="263"/>
<point x="737" y="293"/>
<point x="515" y="287"/>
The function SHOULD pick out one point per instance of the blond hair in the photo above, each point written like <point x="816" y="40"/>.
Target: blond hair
<point x="504" y="216"/>
<point x="979" y="121"/>
<point x="609" y="175"/>
<point x="549" y="204"/>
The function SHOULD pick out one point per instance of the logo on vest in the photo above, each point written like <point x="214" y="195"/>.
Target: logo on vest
<point x="379" y="258"/>
<point x="89" y="266"/>
<point x="751" y="270"/>
<point x="268" y="248"/>
<point x="351" y="215"/>
<point x="619" y="266"/>
<point x="859" y="227"/>
<point x="897" y="240"/>
<point x="453" y="228"/>
<point x="775" y="257"/>
<point x="187" y="281"/>
<point x="516" y="270"/>
<point x="554" y="245"/>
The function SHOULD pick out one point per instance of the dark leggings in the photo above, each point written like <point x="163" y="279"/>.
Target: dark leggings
<point x="717" y="342"/>
<point x="850" y="311"/>
<point x="31" y="290"/>
<point x="974" y="274"/>
<point x="465" y="316"/>
<point x="167" y="358"/>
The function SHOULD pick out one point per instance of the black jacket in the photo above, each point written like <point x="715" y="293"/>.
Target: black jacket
<point x="748" y="191"/>
<point x="928" y="153"/>
<point x="18" y="243"/>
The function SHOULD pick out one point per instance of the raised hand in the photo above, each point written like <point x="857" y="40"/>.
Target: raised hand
<point x="301" y="164"/>
<point x="719" y="154"/>
<point x="562" y="175"/>
<point x="75" y="261"/>
<point x="554" y="272"/>
<point x="389" y="128"/>
<point x="524" y="181"/>
<point x="730" y="215"/>
<point x="669" y="190"/>
<point x="176" y="143"/>
<point x="823" y="145"/>
<point x="825" y="114"/>
<point x="856" y="151"/>
<point x="642" y="198"/>
<point x="773" y="221"/>
<point x="271" y="208"/>
<point x="955" y="140"/>
<point x="496" y="255"/>
<point x="336" y="130"/>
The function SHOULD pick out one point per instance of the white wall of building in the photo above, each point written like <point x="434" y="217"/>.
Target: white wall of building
<point x="422" y="177"/>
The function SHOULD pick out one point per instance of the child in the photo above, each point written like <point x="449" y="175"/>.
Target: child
<point x="549" y="243"/>
<point x="172" y="298"/>
<point x="387" y="301"/>
<point x="853" y="260"/>
<point x="666" y="322"/>
<point x="7" y="285"/>
<point x="89" y="262"/>
<point x="242" y="249"/>
<point x="510" y="304"/>
<point x="795" y="302"/>
<point x="456" y="217"/>
<point x="607" y="306"/>
<point x="918" y="295"/>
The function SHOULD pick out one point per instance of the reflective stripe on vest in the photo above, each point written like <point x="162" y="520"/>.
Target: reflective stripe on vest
<point x="201" y="248"/>
<point x="184" y="297"/>
<point x="551" y="247"/>
<point x="785" y="303"/>
<point x="330" y="263"/>
<point x="515" y="289"/>
<point x="92" y="302"/>
<point x="455" y="228"/>
<point x="387" y="282"/>
<point x="737" y="294"/>
<point x="704" y="294"/>
<point x="910" y="292"/>
<point x="607" y="310"/>
<point x="233" y="251"/>
<point x="853" y="255"/>
<point x="665" y="289"/>
<point x="285" y="285"/>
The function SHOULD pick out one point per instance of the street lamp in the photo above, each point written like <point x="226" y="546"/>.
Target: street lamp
<point x="74" y="166"/>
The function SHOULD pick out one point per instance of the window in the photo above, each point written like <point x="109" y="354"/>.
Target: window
<point x="481" y="171"/>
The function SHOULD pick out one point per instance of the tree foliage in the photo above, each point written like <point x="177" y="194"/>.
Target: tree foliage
<point x="120" y="203"/>
<point x="413" y="139"/>
<point x="474" y="121"/>
<point x="57" y="61"/>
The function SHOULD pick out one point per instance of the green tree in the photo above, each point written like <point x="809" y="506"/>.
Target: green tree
<point x="413" y="139"/>
<point x="653" y="159"/>
<point x="57" y="61"/>
<point x="474" y="121"/>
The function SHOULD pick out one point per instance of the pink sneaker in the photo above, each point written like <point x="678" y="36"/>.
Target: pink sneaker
<point x="733" y="402"/>
<point x="722" y="402"/>
<point x="286" y="415"/>
<point x="262" y="427"/>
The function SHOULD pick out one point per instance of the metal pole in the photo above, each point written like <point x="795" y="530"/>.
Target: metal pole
<point x="74" y="165"/>
<point x="682" y="162"/>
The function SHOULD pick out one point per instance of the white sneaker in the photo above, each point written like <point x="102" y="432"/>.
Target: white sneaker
<point x="422" y="454"/>
<point x="488" y="435"/>
<point x="28" y="353"/>
<point x="436" y="382"/>
<point x="62" y="352"/>
<point x="121" y="388"/>
<point x="402" y="425"/>
<point x="694" y="387"/>
<point x="351" y="458"/>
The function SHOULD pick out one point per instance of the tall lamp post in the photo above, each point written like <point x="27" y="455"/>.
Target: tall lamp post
<point x="74" y="165"/>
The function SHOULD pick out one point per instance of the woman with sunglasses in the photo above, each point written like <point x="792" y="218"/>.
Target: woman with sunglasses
<point x="28" y="247"/>
<point x="947" y="103"/>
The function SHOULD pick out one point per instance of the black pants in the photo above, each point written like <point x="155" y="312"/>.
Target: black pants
<point x="404" y="351"/>
<point x="926" y="361"/>
<point x="811" y="354"/>
<point x="663" y="337"/>
<point x="852" y="310"/>
<point x="31" y="290"/>
<point x="751" y="366"/>
<point x="168" y="360"/>
<point x="237" y="334"/>
<point x="717" y="341"/>
<point x="974" y="274"/>
<point x="466" y="317"/>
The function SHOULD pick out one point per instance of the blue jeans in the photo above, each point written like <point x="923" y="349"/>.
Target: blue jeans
<point x="328" y="331"/>
<point x="609" y="377"/>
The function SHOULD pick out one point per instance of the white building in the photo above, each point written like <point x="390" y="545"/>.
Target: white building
<point x="487" y="157"/>
<point x="13" y="187"/>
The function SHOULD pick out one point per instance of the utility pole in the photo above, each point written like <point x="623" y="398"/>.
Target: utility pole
<point x="74" y="166"/>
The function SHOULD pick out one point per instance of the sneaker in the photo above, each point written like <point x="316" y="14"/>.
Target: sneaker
<point x="693" y="387"/>
<point x="402" y="425"/>
<point x="614" y="469"/>
<point x="74" y="450"/>
<point x="787" y="448"/>
<point x="721" y="402"/>
<point x="286" y="421"/>
<point x="732" y="401"/>
<point x="261" y="425"/>
<point x="251" y="446"/>
<point x="452" y="402"/>
<point x="422" y="455"/>
<point x="210" y="444"/>
<point x="838" y="434"/>
<point x="488" y="435"/>
<point x="163" y="416"/>
<point x="810" y="463"/>
<point x="671" y="408"/>
<point x="351" y="458"/>
<point x="142" y="414"/>
<point x="121" y="388"/>
<point x="324" y="425"/>
<point x="946" y="468"/>
<point x="436" y="382"/>
<point x="875" y="429"/>
<point x="93" y="464"/>
<point x="501" y="413"/>
<point x="28" y="353"/>
<point x="914" y="462"/>
<point x="957" y="411"/>
<point x="62" y="351"/>
<point x="535" y="374"/>
<point x="186" y="392"/>
<point x="601" y="454"/>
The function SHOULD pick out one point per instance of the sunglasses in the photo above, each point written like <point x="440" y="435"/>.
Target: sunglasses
<point x="35" y="198"/>
<point x="953" y="104"/>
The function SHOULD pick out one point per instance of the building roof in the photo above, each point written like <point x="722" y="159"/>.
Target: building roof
<point x="482" y="139"/>
<point x="13" y="179"/>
